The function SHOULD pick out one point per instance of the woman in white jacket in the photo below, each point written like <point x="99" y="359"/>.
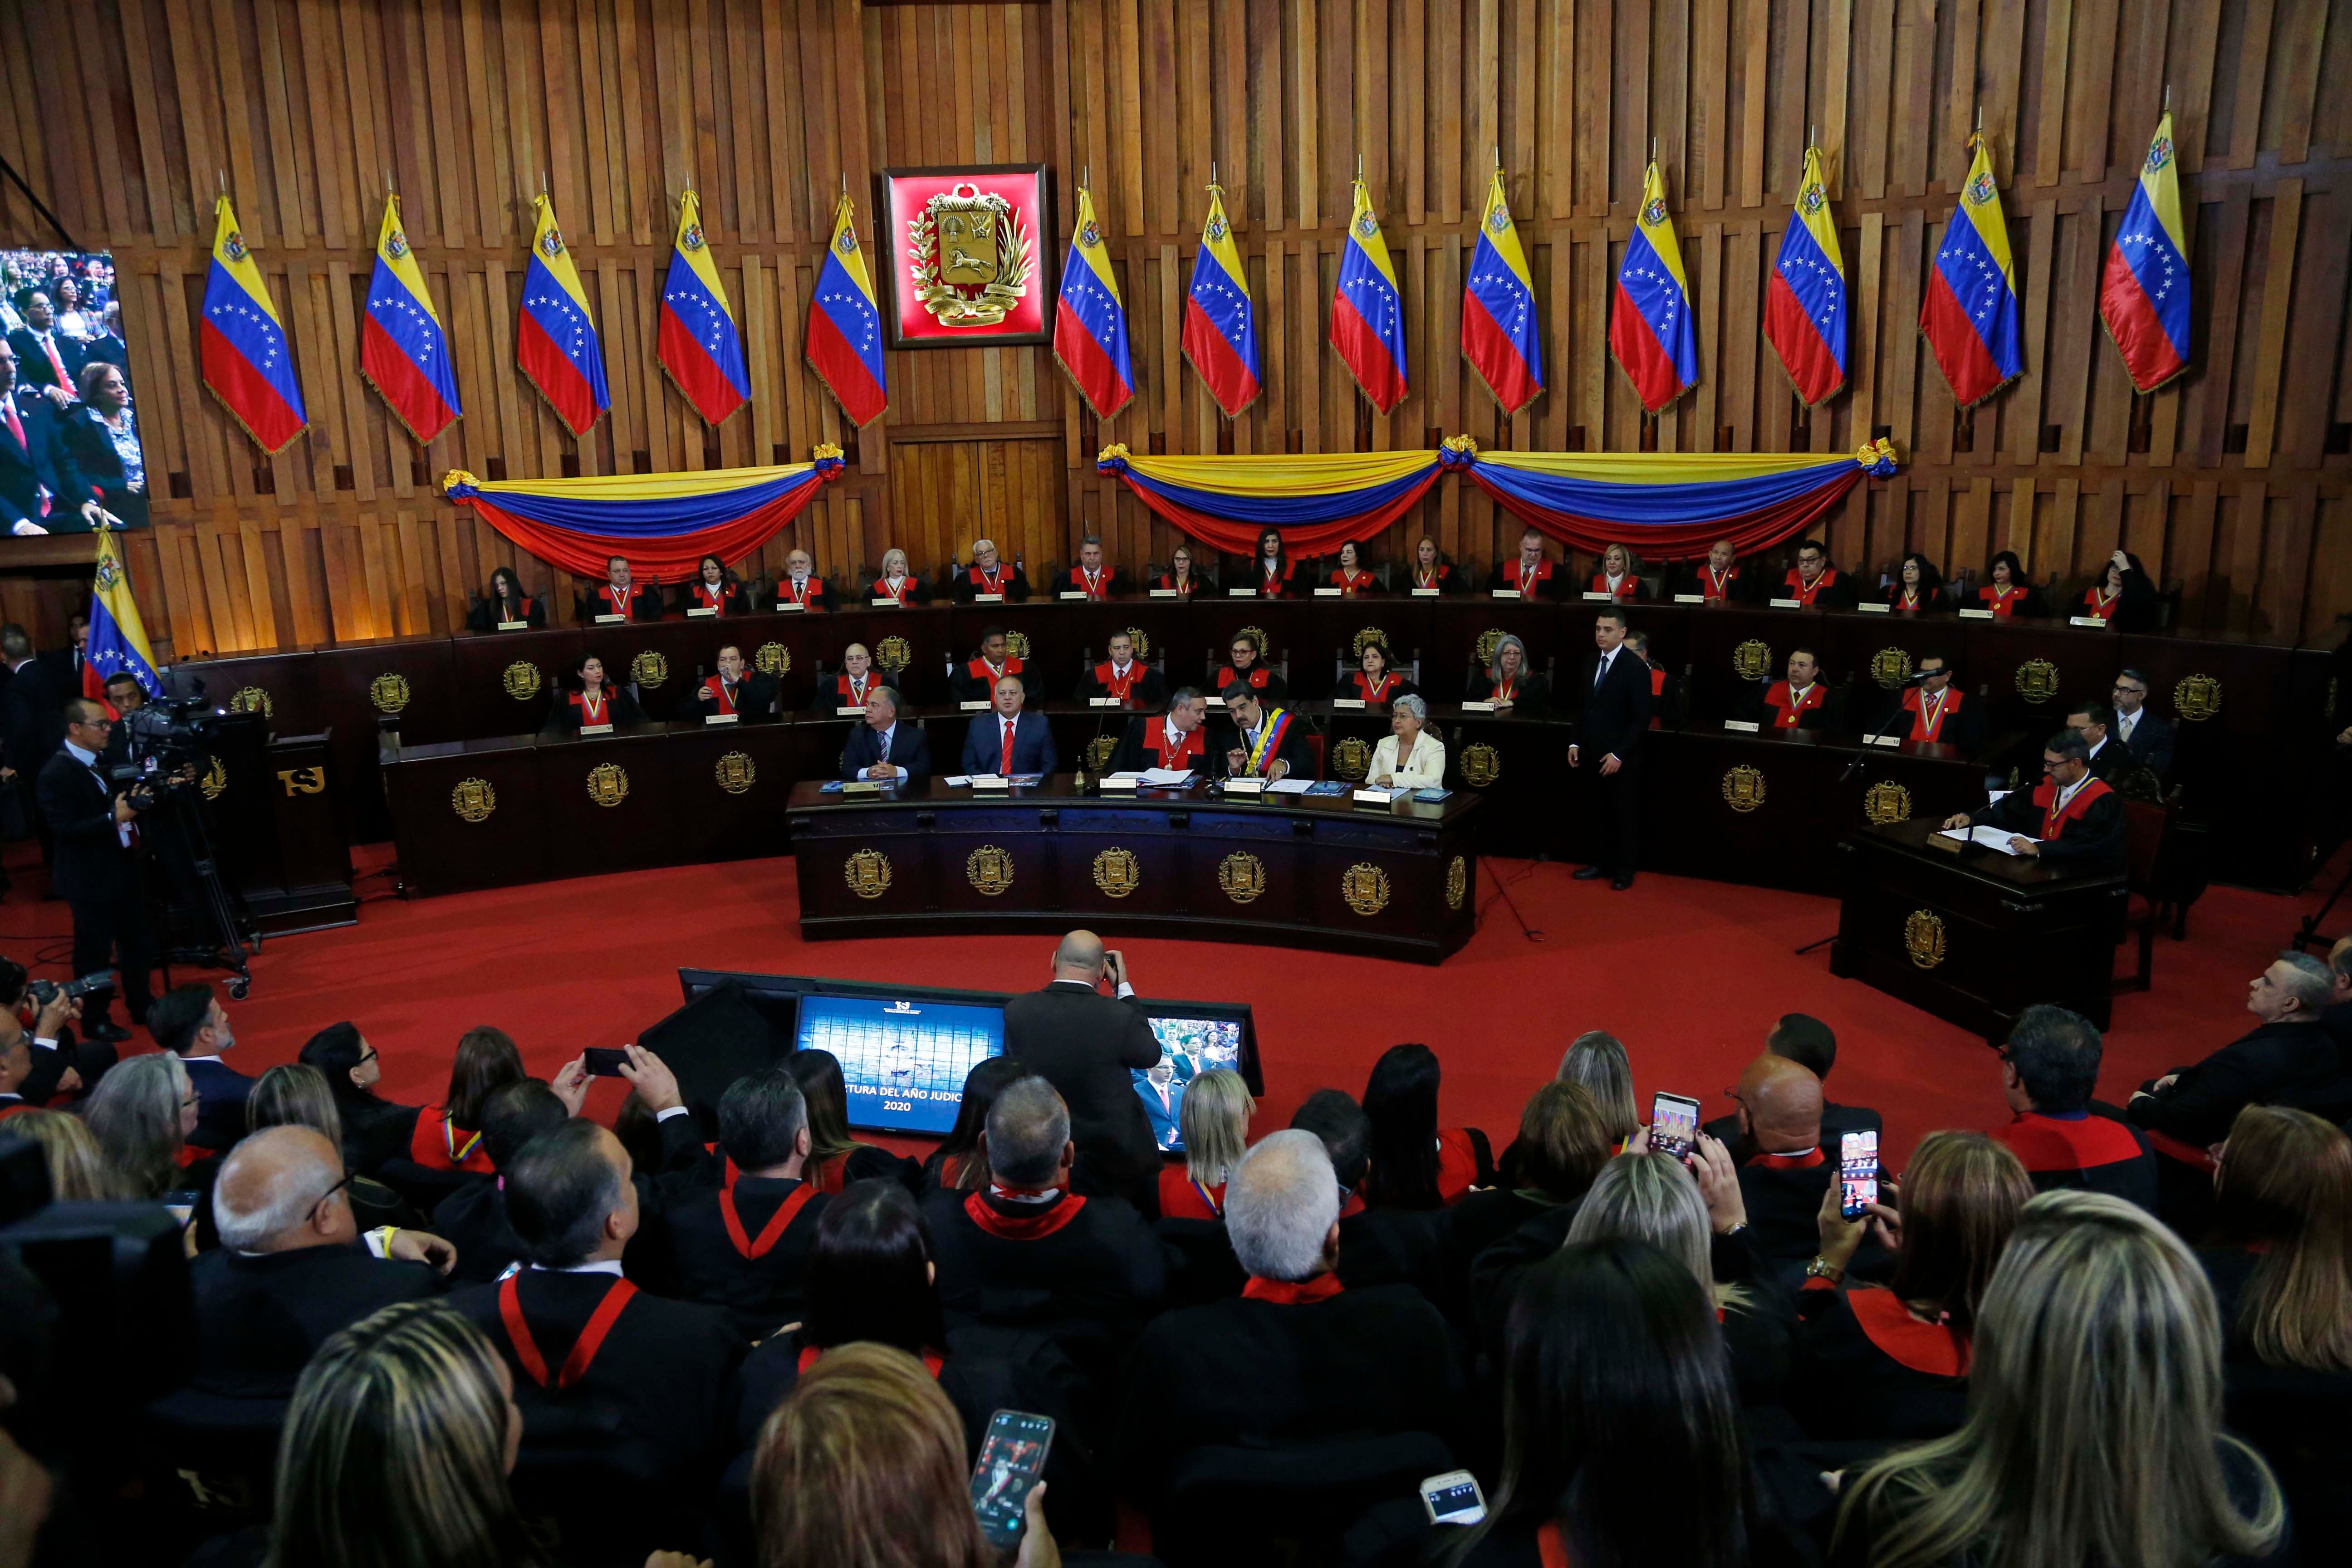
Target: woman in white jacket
<point x="1406" y="758"/>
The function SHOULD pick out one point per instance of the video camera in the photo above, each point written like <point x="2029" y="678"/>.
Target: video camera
<point x="44" y="992"/>
<point x="168" y="738"/>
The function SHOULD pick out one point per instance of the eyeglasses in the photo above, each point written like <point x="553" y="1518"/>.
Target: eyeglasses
<point x="325" y="1197"/>
<point x="365" y="1059"/>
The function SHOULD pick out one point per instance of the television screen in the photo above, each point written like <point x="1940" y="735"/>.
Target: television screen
<point x="71" y="389"/>
<point x="1188" y="1048"/>
<point x="903" y="1061"/>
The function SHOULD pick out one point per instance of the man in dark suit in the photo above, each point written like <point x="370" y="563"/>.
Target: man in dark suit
<point x="1089" y="1046"/>
<point x="884" y="750"/>
<point x="2289" y="1059"/>
<point x="1782" y="1182"/>
<point x="97" y="872"/>
<point x="473" y="1218"/>
<point x="2095" y="722"/>
<point x="65" y="663"/>
<point x="748" y="695"/>
<point x="47" y="356"/>
<point x="1608" y="730"/>
<point x="1377" y="1247"/>
<point x="189" y="1021"/>
<point x="1007" y="740"/>
<point x="32" y="707"/>
<point x="41" y="489"/>
<point x="1265" y="741"/>
<point x="1812" y="1045"/>
<point x="292" y="1269"/>
<point x="1930" y="707"/>
<point x="746" y="1246"/>
<point x="109" y="346"/>
<point x="2148" y="737"/>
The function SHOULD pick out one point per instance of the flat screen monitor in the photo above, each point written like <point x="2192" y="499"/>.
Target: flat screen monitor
<point x="902" y="1059"/>
<point x="1188" y="1046"/>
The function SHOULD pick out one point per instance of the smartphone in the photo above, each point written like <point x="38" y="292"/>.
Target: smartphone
<point x="183" y="1205"/>
<point x="604" y="1061"/>
<point x="1012" y="1462"/>
<point x="1674" y="1124"/>
<point x="1453" y="1498"/>
<point x="1857" y="1174"/>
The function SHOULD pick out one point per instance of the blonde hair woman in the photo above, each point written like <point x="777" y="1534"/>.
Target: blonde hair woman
<point x="2093" y="1433"/>
<point x="143" y="1111"/>
<point x="1214" y="1120"/>
<point x="78" y="1169"/>
<point x="2282" y="1212"/>
<point x="898" y="581"/>
<point x="295" y="1095"/>
<point x="1597" y="1059"/>
<point x="1655" y="1197"/>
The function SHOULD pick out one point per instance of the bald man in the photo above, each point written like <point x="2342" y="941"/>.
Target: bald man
<point x="1779" y="1114"/>
<point x="1089" y="1046"/>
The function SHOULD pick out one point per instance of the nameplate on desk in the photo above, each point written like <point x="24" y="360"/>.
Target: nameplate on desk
<point x="1327" y="593"/>
<point x="514" y="625"/>
<point x="1744" y="726"/>
<point x="1215" y="701"/>
<point x="1427" y="592"/>
<point x="1102" y="701"/>
<point x="1347" y="702"/>
<point x="1976" y="614"/>
<point x="699" y="612"/>
<point x="720" y="718"/>
<point x="1115" y="781"/>
<point x="1788" y="604"/>
<point x="1377" y="797"/>
<point x="1166" y="593"/>
<point x="850" y="711"/>
<point x="1245" y="786"/>
<point x="1477" y="708"/>
<point x="1885" y="740"/>
<point x="595" y="729"/>
<point x="988" y="598"/>
<point x="1507" y="593"/>
<point x="2093" y="622"/>
<point x="979" y="707"/>
<point x="886" y="604"/>
<point x="865" y="786"/>
<point x="1241" y="592"/>
<point x="1690" y="599"/>
<point x="789" y="607"/>
<point x="1594" y="595"/>
<point x="1073" y="593"/>
<point x="607" y="620"/>
<point x="1870" y="609"/>
<point x="991" y="781"/>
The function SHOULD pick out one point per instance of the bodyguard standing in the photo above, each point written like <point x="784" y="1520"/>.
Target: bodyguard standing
<point x="95" y="826"/>
<point x="1608" y="731"/>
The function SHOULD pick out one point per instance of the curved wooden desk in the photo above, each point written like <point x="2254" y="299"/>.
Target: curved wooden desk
<point x="1394" y="882"/>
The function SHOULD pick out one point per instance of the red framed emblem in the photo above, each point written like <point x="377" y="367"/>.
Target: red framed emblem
<point x="972" y="255"/>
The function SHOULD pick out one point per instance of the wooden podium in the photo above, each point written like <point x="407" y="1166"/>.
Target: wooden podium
<point x="1973" y="935"/>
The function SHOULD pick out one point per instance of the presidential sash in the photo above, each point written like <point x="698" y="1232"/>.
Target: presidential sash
<point x="1269" y="739"/>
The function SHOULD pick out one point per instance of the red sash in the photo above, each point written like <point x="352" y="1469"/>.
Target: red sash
<point x="852" y="695"/>
<point x="620" y="606"/>
<point x="712" y="598"/>
<point x="187" y="1154"/>
<point x="1276" y="585"/>
<point x="1714" y="588"/>
<point x="1292" y="1292"/>
<point x="1389" y="682"/>
<point x="18" y="1108"/>
<point x="771" y="1232"/>
<point x="717" y="686"/>
<point x="897" y="596"/>
<point x="1803" y="595"/>
<point x="1183" y="589"/>
<point x="2172" y="1147"/>
<point x="2054" y="823"/>
<point x="1903" y="1340"/>
<point x="809" y="1355"/>
<point x="978" y="669"/>
<point x="1657" y="683"/>
<point x="1624" y="589"/>
<point x="435" y="1144"/>
<point x="2002" y="600"/>
<point x="2100" y="604"/>
<point x="730" y="1175"/>
<point x="598" y="713"/>
<point x="1257" y="675"/>
<point x="1804" y="1162"/>
<point x="988" y="581"/>
<point x="1116" y="684"/>
<point x="1352" y="1207"/>
<point x="1180" y="1197"/>
<point x="1920" y="729"/>
<point x="1094" y="590"/>
<point x="1433" y="576"/>
<point x="1791" y="709"/>
<point x="826" y="1175"/>
<point x="1351" y="584"/>
<point x="809" y="593"/>
<point x="1193" y="747"/>
<point x="1511" y="575"/>
<point x="1550" y="1547"/>
<point x="1457" y="1165"/>
<point x="521" y="611"/>
<point x="583" y="1350"/>
<point x="1029" y="1227"/>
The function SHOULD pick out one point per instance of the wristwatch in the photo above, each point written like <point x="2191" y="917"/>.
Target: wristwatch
<point x="1822" y="1269"/>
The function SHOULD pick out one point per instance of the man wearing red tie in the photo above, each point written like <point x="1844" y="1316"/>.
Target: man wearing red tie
<point x="41" y="489"/>
<point x="1527" y="573"/>
<point x="1124" y="676"/>
<point x="619" y="596"/>
<point x="2074" y="819"/>
<point x="1174" y="741"/>
<point x="732" y="691"/>
<point x="1804" y="701"/>
<point x="1090" y="577"/>
<point x="1006" y="740"/>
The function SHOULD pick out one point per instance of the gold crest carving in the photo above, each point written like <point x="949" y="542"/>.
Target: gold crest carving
<point x="473" y="800"/>
<point x="989" y="869"/>
<point x="1118" y="872"/>
<point x="1098" y="752"/>
<point x="1264" y="643"/>
<point x="773" y="659"/>
<point x="736" y="772"/>
<point x="389" y="692"/>
<point x="867" y="872"/>
<point x="2197" y="698"/>
<point x="2037" y="680"/>
<point x="970" y="254"/>
<point x="1366" y="887"/>
<point x="1923" y="938"/>
<point x="1743" y="788"/>
<point x="608" y="783"/>
<point x="1241" y="876"/>
<point x="1481" y="764"/>
<point x="1352" y="758"/>
<point x="1488" y="640"/>
<point x="1017" y="644"/>
<point x="1457" y="882"/>
<point x="253" y="699"/>
<point x="214" y="781"/>
<point x="649" y="668"/>
<point x="521" y="680"/>
<point x="1887" y="802"/>
<point x="1752" y="660"/>
<point x="1890" y="666"/>
<point x="1142" y="641"/>
<point x="892" y="655"/>
<point x="1371" y="636"/>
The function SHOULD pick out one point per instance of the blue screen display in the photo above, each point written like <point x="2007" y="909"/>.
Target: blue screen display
<point x="904" y="1062"/>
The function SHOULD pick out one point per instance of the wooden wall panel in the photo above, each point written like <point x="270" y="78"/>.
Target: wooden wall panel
<point x="764" y="105"/>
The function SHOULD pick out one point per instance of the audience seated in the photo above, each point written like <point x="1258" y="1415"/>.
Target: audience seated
<point x="745" y="1246"/>
<point x="2337" y="1016"/>
<point x="79" y="1169"/>
<point x="834" y="1158"/>
<point x="1215" y="1121"/>
<point x="61" y="1066"/>
<point x="293" y="1095"/>
<point x="1894" y="1362"/>
<point x="142" y="1113"/>
<point x="1377" y="1247"/>
<point x="1413" y="1164"/>
<point x="2093" y="1429"/>
<point x="1564" y="1140"/>
<point x="189" y="1021"/>
<point x="375" y="1129"/>
<point x="448" y="1136"/>
<point x="957" y="1162"/>
<point x="2048" y="1070"/>
<point x="1812" y="1044"/>
<point x="1780" y="1116"/>
<point x="1597" y="1059"/>
<point x="473" y="1219"/>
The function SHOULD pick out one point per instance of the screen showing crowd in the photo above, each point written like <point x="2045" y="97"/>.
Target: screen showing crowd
<point x="66" y="407"/>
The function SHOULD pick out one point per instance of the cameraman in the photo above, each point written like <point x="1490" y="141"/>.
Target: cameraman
<point x="62" y="1064"/>
<point x="95" y="826"/>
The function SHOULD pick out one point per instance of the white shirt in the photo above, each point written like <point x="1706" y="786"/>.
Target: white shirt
<point x="882" y="741"/>
<point x="2097" y="750"/>
<point x="602" y="1266"/>
<point x="1124" y="991"/>
<point x="2068" y="792"/>
<point x="122" y="829"/>
<point x="1602" y="673"/>
<point x="2127" y="722"/>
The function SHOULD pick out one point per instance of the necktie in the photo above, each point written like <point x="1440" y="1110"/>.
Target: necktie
<point x="1005" y="767"/>
<point x="16" y="427"/>
<point x="50" y="347"/>
<point x="882" y="746"/>
<point x="1601" y="674"/>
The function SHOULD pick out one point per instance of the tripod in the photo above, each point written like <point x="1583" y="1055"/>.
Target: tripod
<point x="221" y="915"/>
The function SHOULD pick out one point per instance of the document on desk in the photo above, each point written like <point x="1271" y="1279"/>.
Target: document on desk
<point x="1290" y="787"/>
<point x="1990" y="837"/>
<point x="1167" y="778"/>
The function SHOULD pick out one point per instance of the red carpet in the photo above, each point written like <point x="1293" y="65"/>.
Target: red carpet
<point x="1688" y="973"/>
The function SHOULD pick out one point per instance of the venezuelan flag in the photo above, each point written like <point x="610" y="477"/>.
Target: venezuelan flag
<point x="1500" y="337"/>
<point x="118" y="637"/>
<point x="844" y="327"/>
<point x="1089" y="324"/>
<point x="403" y="351"/>
<point x="1220" y="330"/>
<point x="1366" y="312"/>
<point x="1969" y="316"/>
<point x="699" y="344"/>
<point x="242" y="343"/>
<point x="556" y="346"/>
<point x="2144" y="291"/>
<point x="1650" y="330"/>
<point x="1804" y="305"/>
<point x="1319" y="502"/>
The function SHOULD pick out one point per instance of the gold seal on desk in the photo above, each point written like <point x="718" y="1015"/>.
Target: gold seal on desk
<point x="892" y="655"/>
<point x="1457" y="882"/>
<point x="773" y="658"/>
<point x="214" y="781"/>
<point x="2197" y="698"/>
<point x="521" y="680"/>
<point x="1099" y="751"/>
<point x="1487" y="642"/>
<point x="737" y="773"/>
<point x="1891" y="667"/>
<point x="1242" y="875"/>
<point x="1481" y="764"/>
<point x="649" y="668"/>
<point x="1352" y="758"/>
<point x="1743" y="788"/>
<point x="1017" y="644"/>
<point x="867" y="872"/>
<point x="989" y="869"/>
<point x="473" y="800"/>
<point x="1752" y="660"/>
<point x="1118" y="872"/>
<point x="1371" y="636"/>
<point x="389" y="692"/>
<point x="608" y="783"/>
<point x="1887" y="802"/>
<point x="1923" y="938"/>
<point x="1366" y="887"/>
<point x="253" y="699"/>
<point x="1142" y="641"/>
<point x="2037" y="680"/>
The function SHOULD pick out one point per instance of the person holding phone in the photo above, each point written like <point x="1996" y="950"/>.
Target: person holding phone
<point x="1088" y="1046"/>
